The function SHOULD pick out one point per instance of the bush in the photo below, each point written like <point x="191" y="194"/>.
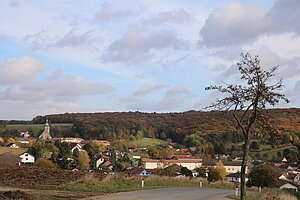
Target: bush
<point x="44" y="163"/>
<point x="262" y="176"/>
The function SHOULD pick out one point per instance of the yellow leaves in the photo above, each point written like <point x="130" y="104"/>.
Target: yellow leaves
<point x="83" y="160"/>
<point x="221" y="169"/>
<point x="1" y="140"/>
<point x="9" y="140"/>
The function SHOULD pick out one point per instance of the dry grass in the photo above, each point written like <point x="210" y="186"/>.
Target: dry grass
<point x="269" y="194"/>
<point x="15" y="151"/>
<point x="222" y="184"/>
<point x="88" y="178"/>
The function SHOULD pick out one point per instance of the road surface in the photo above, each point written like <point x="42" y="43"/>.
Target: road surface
<point x="168" y="194"/>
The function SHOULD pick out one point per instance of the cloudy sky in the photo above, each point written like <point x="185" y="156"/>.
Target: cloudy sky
<point x="151" y="56"/>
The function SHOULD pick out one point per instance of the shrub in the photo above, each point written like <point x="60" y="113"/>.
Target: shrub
<point x="44" y="163"/>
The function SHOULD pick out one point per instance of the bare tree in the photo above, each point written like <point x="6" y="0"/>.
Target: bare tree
<point x="248" y="102"/>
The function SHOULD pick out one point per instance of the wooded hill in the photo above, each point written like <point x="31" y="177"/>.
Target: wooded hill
<point x="176" y="126"/>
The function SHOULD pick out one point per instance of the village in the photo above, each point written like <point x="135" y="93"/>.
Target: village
<point x="76" y="154"/>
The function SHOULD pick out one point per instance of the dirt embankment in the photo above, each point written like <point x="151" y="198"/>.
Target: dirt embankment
<point x="36" y="183"/>
<point x="34" y="176"/>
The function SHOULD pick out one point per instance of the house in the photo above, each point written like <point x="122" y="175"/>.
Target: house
<point x="68" y="140"/>
<point x="27" y="158"/>
<point x="237" y="155"/>
<point x="24" y="134"/>
<point x="131" y="149"/>
<point x="160" y="164"/>
<point x="236" y="177"/>
<point x="139" y="171"/>
<point x="195" y="173"/>
<point x="9" y="158"/>
<point x="289" y="167"/>
<point x="74" y="146"/>
<point x="281" y="184"/>
<point x="100" y="160"/>
<point x="103" y="142"/>
<point x="107" y="164"/>
<point x="277" y="162"/>
<point x="24" y="141"/>
<point x="185" y="157"/>
<point x="297" y="179"/>
<point x="136" y="155"/>
<point x="13" y="145"/>
<point x="230" y="166"/>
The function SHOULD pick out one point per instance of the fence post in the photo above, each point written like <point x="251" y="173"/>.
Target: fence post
<point x="200" y="184"/>
<point x="142" y="182"/>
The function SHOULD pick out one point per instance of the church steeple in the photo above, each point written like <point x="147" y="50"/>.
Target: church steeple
<point x="47" y="123"/>
<point x="46" y="133"/>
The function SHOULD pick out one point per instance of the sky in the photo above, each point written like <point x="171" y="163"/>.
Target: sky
<point x="139" y="55"/>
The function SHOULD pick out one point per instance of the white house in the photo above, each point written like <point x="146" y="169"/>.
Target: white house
<point x="101" y="160"/>
<point x="281" y="184"/>
<point x="236" y="177"/>
<point x="297" y="179"/>
<point x="25" y="134"/>
<point x="230" y="166"/>
<point x="74" y="146"/>
<point x="27" y="158"/>
<point x="160" y="164"/>
<point x="13" y="145"/>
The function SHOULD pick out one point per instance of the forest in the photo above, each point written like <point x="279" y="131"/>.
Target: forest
<point x="173" y="126"/>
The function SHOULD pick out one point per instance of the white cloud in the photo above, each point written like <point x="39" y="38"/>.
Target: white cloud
<point x="177" y="16"/>
<point x="75" y="37"/>
<point x="234" y="25"/>
<point x="178" y="91"/>
<point x="24" y="110"/>
<point x="107" y="13"/>
<point x="138" y="45"/>
<point x="68" y="88"/>
<point x="238" y="24"/>
<point x="19" y="70"/>
<point x="146" y="89"/>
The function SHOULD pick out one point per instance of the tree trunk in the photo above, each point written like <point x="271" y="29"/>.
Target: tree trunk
<point x="243" y="170"/>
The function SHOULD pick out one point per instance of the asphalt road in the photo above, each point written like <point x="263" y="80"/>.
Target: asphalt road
<point x="168" y="194"/>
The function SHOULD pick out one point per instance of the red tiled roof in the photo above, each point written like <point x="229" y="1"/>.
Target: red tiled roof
<point x="106" y="157"/>
<point x="72" y="145"/>
<point x="184" y="157"/>
<point x="172" y="161"/>
<point x="138" y="170"/>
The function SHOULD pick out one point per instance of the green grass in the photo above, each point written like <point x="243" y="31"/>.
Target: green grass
<point x="148" y="142"/>
<point x="249" y="196"/>
<point x="273" y="152"/>
<point x="121" y="183"/>
<point x="36" y="128"/>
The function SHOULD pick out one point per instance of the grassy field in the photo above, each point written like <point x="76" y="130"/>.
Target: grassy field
<point x="148" y="142"/>
<point x="36" y="128"/>
<point x="121" y="183"/>
<point x="273" y="152"/>
<point x="16" y="151"/>
<point x="249" y="196"/>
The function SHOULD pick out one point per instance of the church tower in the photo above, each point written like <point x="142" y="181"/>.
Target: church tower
<point x="46" y="133"/>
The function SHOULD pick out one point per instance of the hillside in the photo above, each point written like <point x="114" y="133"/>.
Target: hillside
<point x="176" y="126"/>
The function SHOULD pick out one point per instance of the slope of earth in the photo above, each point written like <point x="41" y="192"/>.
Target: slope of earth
<point x="25" y="176"/>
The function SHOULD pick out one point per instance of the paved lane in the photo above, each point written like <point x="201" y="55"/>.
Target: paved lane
<point x="168" y="194"/>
